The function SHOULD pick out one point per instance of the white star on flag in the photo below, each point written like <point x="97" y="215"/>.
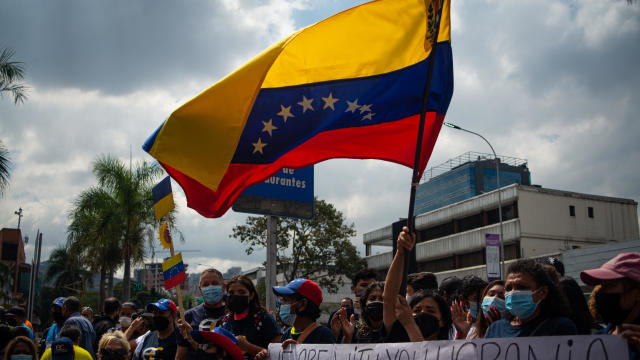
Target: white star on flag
<point x="329" y="101"/>
<point x="268" y="127"/>
<point x="353" y="106"/>
<point x="285" y="112"/>
<point x="258" y="146"/>
<point x="368" y="116"/>
<point x="306" y="104"/>
<point x="365" y="108"/>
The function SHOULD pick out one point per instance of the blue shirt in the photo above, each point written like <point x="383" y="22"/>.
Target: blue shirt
<point x="88" y="334"/>
<point x="540" y="326"/>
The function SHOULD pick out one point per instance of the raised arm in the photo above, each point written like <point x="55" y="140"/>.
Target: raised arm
<point x="392" y="283"/>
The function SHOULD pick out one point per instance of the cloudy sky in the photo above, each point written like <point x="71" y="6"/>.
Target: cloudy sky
<point x="554" y="82"/>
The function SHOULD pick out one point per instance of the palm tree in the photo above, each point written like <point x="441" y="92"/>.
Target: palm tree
<point x="5" y="164"/>
<point x="130" y="190"/>
<point x="94" y="234"/>
<point x="11" y="73"/>
<point x="66" y="270"/>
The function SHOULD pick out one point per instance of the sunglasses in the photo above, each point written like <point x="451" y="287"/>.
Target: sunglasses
<point x="109" y="352"/>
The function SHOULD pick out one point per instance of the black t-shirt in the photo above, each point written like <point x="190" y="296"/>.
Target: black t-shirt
<point x="169" y="345"/>
<point x="101" y="325"/>
<point x="259" y="328"/>
<point x="397" y="334"/>
<point x="320" y="335"/>
<point x="540" y="326"/>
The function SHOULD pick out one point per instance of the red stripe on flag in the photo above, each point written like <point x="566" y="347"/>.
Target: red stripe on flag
<point x="176" y="280"/>
<point x="393" y="141"/>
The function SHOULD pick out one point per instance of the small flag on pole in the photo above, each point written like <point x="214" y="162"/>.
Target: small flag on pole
<point x="163" y="198"/>
<point x="165" y="238"/>
<point x="173" y="271"/>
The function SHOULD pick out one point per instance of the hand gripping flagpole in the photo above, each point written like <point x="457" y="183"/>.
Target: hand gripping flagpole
<point x="411" y="223"/>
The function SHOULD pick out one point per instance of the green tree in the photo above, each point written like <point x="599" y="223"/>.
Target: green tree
<point x="130" y="189"/>
<point x="5" y="167"/>
<point x="94" y="234"/>
<point x="6" y="281"/>
<point x="318" y="249"/>
<point x="67" y="272"/>
<point x="11" y="75"/>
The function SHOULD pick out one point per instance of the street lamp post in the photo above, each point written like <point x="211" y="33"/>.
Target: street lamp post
<point x="502" y="269"/>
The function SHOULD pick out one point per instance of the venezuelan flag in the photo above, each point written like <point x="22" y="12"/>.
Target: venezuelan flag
<point x="162" y="198"/>
<point x="173" y="271"/>
<point x="350" y="86"/>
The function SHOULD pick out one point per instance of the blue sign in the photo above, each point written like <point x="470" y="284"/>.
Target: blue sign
<point x="287" y="184"/>
<point x="287" y="193"/>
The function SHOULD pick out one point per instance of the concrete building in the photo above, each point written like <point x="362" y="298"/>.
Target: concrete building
<point x="536" y="221"/>
<point x="12" y="254"/>
<point x="466" y="176"/>
<point x="151" y="277"/>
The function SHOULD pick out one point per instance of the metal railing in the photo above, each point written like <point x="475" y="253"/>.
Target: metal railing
<point x="469" y="156"/>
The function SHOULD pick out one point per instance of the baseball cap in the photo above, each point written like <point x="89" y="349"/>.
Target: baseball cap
<point x="58" y="301"/>
<point x="221" y="337"/>
<point x="162" y="304"/>
<point x="18" y="311"/>
<point x="304" y="287"/>
<point x="624" y="265"/>
<point x="62" y="349"/>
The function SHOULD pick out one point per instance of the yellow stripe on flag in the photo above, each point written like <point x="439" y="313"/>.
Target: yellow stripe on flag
<point x="163" y="206"/>
<point x="172" y="261"/>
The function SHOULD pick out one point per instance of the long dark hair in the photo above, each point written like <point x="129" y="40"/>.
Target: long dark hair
<point x="554" y="305"/>
<point x="363" y="326"/>
<point x="482" y="323"/>
<point x="579" y="308"/>
<point x="254" y="305"/>
<point x="445" y="312"/>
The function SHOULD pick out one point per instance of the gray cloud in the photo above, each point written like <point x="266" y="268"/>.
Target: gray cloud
<point x="554" y="82"/>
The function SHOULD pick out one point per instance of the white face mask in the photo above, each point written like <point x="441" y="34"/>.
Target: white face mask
<point x="125" y="321"/>
<point x="409" y="299"/>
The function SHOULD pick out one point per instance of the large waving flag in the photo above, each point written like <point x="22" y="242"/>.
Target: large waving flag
<point x="350" y="86"/>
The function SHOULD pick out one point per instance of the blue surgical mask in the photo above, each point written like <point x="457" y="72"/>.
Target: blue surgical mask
<point x="473" y="309"/>
<point x="212" y="294"/>
<point x="520" y="303"/>
<point x="21" y="357"/>
<point x="285" y="314"/>
<point x="490" y="301"/>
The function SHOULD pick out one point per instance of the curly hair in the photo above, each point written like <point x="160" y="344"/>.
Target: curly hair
<point x="363" y="326"/>
<point x="254" y="305"/>
<point x="554" y="304"/>
<point x="445" y="311"/>
<point x="482" y="324"/>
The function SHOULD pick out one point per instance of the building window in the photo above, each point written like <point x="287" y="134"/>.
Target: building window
<point x="572" y="210"/>
<point x="590" y="211"/>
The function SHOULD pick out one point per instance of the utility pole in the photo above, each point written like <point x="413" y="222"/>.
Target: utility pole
<point x="19" y="213"/>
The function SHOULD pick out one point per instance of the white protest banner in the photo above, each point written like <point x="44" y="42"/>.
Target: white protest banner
<point x="581" y="347"/>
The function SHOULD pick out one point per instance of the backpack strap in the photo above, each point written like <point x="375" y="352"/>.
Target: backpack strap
<point x="307" y="332"/>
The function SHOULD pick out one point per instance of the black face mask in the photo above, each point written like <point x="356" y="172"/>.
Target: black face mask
<point x="374" y="310"/>
<point x="427" y="323"/>
<point x="58" y="317"/>
<point x="608" y="307"/>
<point x="161" y="323"/>
<point x="237" y="303"/>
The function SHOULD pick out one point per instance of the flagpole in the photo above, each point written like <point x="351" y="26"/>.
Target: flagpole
<point x="416" y="164"/>
<point x="178" y="291"/>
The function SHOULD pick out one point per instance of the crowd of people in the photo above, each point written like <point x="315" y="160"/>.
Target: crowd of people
<point x="534" y="299"/>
